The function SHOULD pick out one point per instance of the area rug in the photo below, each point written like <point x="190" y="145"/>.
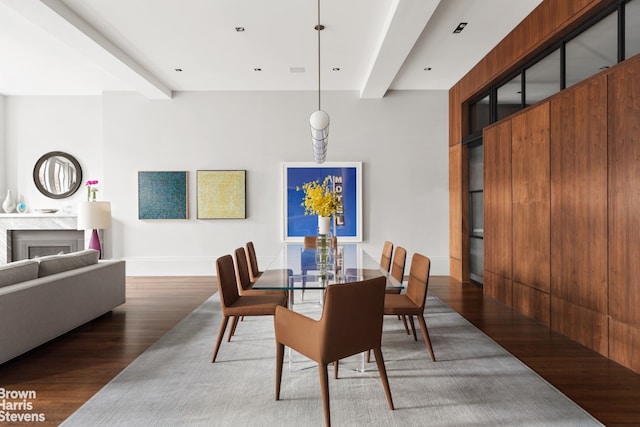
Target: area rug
<point x="474" y="381"/>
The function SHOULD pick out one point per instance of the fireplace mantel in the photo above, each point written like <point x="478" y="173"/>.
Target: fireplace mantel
<point x="31" y="221"/>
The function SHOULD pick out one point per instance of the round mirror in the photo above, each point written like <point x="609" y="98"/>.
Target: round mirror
<point x="57" y="175"/>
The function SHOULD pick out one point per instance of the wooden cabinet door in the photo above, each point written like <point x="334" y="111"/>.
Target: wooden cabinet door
<point x="579" y="195"/>
<point x="530" y="172"/>
<point x="497" y="199"/>
<point x="624" y="194"/>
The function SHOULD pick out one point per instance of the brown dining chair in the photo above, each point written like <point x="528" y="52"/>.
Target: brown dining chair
<point x="351" y="323"/>
<point x="245" y="286"/>
<point x="397" y="272"/>
<point x="385" y="258"/>
<point x="254" y="271"/>
<point x="234" y="305"/>
<point x="412" y="302"/>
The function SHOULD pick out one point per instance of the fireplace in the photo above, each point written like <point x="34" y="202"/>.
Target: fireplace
<point x="27" y="244"/>
<point x="31" y="234"/>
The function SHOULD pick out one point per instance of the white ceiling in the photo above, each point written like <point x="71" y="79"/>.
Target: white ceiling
<point x="85" y="47"/>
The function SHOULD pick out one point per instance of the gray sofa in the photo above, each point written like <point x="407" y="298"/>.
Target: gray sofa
<point x="44" y="298"/>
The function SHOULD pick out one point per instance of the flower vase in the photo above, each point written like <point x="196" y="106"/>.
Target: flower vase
<point x="8" y="205"/>
<point x="324" y="225"/>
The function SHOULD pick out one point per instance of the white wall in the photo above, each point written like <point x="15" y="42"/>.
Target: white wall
<point x="3" y="161"/>
<point x="36" y="125"/>
<point x="401" y="140"/>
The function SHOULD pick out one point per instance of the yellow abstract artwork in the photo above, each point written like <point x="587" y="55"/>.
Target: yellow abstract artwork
<point x="221" y="194"/>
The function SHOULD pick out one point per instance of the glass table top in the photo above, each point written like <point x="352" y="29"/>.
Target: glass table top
<point x="296" y="267"/>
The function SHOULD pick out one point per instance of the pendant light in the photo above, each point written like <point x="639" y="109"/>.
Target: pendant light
<point x="319" y="119"/>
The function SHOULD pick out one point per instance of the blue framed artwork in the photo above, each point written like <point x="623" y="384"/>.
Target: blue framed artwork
<point x="162" y="195"/>
<point x="346" y="177"/>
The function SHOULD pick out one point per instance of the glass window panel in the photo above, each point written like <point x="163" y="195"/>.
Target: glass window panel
<point x="593" y="50"/>
<point x="476" y="260"/>
<point x="542" y="79"/>
<point x="510" y="97"/>
<point x="477" y="214"/>
<point x="480" y="114"/>
<point x="632" y="28"/>
<point x="476" y="168"/>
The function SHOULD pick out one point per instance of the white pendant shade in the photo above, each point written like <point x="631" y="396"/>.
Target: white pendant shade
<point x="94" y="215"/>
<point x="319" y="122"/>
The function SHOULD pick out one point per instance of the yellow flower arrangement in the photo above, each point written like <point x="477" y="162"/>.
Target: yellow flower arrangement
<point x="319" y="199"/>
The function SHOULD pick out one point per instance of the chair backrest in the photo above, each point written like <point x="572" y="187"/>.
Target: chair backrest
<point x="399" y="261"/>
<point x="310" y="242"/>
<point x="385" y="259"/>
<point x="227" y="285"/>
<point x="242" y="269"/>
<point x="352" y="318"/>
<point x="254" y="271"/>
<point x="418" y="279"/>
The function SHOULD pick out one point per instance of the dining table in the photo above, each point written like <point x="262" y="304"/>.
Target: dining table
<point x="297" y="268"/>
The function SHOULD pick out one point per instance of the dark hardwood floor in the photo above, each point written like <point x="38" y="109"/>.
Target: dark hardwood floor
<point x="69" y="370"/>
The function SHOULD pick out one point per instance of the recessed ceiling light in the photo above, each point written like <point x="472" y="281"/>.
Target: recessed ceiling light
<point x="460" y="27"/>
<point x="257" y="69"/>
<point x="239" y="29"/>
<point x="179" y="70"/>
<point x="427" y="68"/>
<point x="336" y="68"/>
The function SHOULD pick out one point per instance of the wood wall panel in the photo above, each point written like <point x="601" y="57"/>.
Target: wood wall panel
<point x="624" y="344"/>
<point x="531" y="192"/>
<point x="455" y="211"/>
<point x="498" y="287"/>
<point x="532" y="302"/>
<point x="456" y="116"/>
<point x="624" y="193"/>
<point x="579" y="196"/>
<point x="533" y="34"/>
<point x="497" y="199"/>
<point x="588" y="327"/>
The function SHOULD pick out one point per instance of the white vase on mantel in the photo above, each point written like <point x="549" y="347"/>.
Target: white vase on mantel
<point x="324" y="224"/>
<point x="8" y="205"/>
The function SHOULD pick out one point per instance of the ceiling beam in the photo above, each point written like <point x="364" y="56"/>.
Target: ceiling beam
<point x="405" y="22"/>
<point x="62" y="22"/>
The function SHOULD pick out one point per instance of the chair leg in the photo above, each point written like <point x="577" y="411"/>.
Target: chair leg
<point x="413" y="327"/>
<point x="324" y="386"/>
<point x="279" y="359"/>
<point x="232" y="330"/>
<point x="377" y="352"/>
<point x="425" y="335"/>
<point x="223" y="327"/>
<point x="406" y="326"/>
<point x="335" y="369"/>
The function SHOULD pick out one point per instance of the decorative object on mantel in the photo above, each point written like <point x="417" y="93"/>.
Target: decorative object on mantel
<point x="21" y="208"/>
<point x="8" y="205"/>
<point x="94" y="216"/>
<point x="319" y="119"/>
<point x="91" y="190"/>
<point x="46" y="210"/>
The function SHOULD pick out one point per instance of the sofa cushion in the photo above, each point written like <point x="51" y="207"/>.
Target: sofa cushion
<point x="53" y="264"/>
<point x="19" y="271"/>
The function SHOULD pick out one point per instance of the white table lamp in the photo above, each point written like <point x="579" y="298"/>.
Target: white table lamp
<point x="94" y="216"/>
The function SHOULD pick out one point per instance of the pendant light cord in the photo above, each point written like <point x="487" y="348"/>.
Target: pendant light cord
<point x="319" y="29"/>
